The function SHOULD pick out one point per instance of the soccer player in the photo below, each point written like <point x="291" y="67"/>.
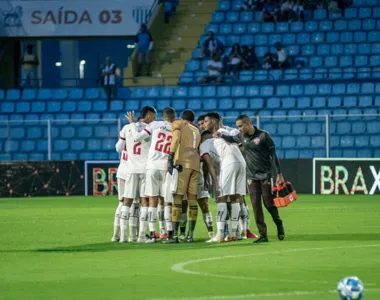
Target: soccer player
<point x="184" y="151"/>
<point x="161" y="133"/>
<point x="120" y="175"/>
<point x="260" y="155"/>
<point x="232" y="180"/>
<point x="136" y="165"/>
<point x="201" y="121"/>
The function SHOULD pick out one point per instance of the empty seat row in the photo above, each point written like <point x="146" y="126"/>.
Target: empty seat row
<point x="59" y="94"/>
<point x="63" y="131"/>
<point x="39" y="156"/>
<point x="60" y="145"/>
<point x="302" y="38"/>
<point x="318" y="14"/>
<point x="309" y="26"/>
<point x="334" y="152"/>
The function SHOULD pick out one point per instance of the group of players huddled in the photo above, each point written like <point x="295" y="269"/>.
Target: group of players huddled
<point x="168" y="167"/>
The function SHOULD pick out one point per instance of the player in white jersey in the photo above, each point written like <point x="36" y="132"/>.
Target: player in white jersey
<point x="120" y="175"/>
<point x="244" y="212"/>
<point x="232" y="177"/>
<point x="161" y="136"/>
<point x="136" y="166"/>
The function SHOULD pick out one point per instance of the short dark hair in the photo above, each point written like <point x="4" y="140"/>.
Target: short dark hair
<point x="201" y="118"/>
<point x="169" y="112"/>
<point x="147" y="109"/>
<point x="213" y="115"/>
<point x="188" y="115"/>
<point x="244" y="119"/>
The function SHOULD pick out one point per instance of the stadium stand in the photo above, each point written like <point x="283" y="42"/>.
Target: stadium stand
<point x="329" y="107"/>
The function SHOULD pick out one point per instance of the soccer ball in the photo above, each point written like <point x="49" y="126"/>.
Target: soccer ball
<point x="350" y="288"/>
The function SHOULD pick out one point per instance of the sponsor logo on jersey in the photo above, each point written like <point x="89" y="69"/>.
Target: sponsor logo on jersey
<point x="256" y="140"/>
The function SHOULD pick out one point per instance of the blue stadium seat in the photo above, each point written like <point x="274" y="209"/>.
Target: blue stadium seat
<point x="261" y="39"/>
<point x="100" y="155"/>
<point x="193" y="104"/>
<point x="13" y="95"/>
<point x="209" y="91"/>
<point x="335" y="73"/>
<point x="303" y="142"/>
<point x="37" y="156"/>
<point x="320" y="14"/>
<point x="275" y="74"/>
<point x="217" y="17"/>
<point x="102" y="131"/>
<point x="237" y="28"/>
<point x="67" y="106"/>
<point x="91" y="93"/>
<point x="369" y="24"/>
<point x="241" y="103"/>
<point x="94" y="145"/>
<point x="361" y="60"/>
<point x="256" y="103"/>
<point x="274" y="39"/>
<point x="117" y="105"/>
<point x="163" y="103"/>
<point x="362" y="141"/>
<point x="76" y="94"/>
<point x="353" y="88"/>
<point x="364" y="72"/>
<point x="373" y="36"/>
<point x="11" y="146"/>
<point x="17" y="133"/>
<point x="299" y="129"/>
<point x="267" y="27"/>
<point x="311" y="26"/>
<point x="373" y="127"/>
<point x="297" y="90"/>
<point x="44" y="94"/>
<point x="319" y="102"/>
<point x="345" y="61"/>
<point x="296" y="26"/>
<point x="108" y="145"/>
<point x="349" y="101"/>
<point x="376" y="12"/>
<point x="317" y="37"/>
<point x="59" y="94"/>
<point x="152" y="92"/>
<point x="332" y="37"/>
<point x="179" y="104"/>
<point x="361" y="36"/>
<point x="303" y="102"/>
<point x="166" y="92"/>
<point x="67" y="132"/>
<point x="245" y="76"/>
<point x="293" y="50"/>
<point x="358" y="127"/>
<point x="254" y="27"/>
<point x="325" y="25"/>
<point x="247" y="40"/>
<point x="365" y="48"/>
<point x="350" y="13"/>
<point x="20" y="157"/>
<point x="288" y="102"/>
<point x="331" y="61"/>
<point x="318" y="142"/>
<point x="148" y="102"/>
<point x="282" y="90"/>
<point x="375" y="60"/>
<point x="365" y="12"/>
<point x="340" y="25"/>
<point x="69" y="156"/>
<point x="77" y="145"/>
<point x="29" y="94"/>
<point x="85" y="132"/>
<point x="224" y="5"/>
<point x="364" y="153"/>
<point x="269" y="127"/>
<point x="375" y="141"/>
<point x="14" y="117"/>
<point x="316" y="61"/>
<point x="132" y="105"/>
<point x="273" y="102"/>
<point x="125" y="93"/>
<point x="282" y="27"/>
<point x="334" y="101"/>
<point x="86" y="156"/>
<point x="266" y="90"/>
<point x="314" y="128"/>
<point x="210" y="104"/>
<point x="238" y="91"/>
<point x="232" y="17"/>
<point x="260" y="75"/>
<point x="38" y="107"/>
<point x="186" y="77"/>
<point x="246" y="16"/>
<point x="355" y="24"/>
<point x="138" y="92"/>
<point x="347" y="141"/>
<point x="288" y="142"/>
<point x="23" y="107"/>
<point x="7" y="107"/>
<point x="336" y="49"/>
<point x="84" y="106"/>
<point x="368" y="88"/>
<point x="224" y="91"/>
<point x="98" y="105"/>
<point x="195" y="91"/>
<point x="365" y="101"/>
<point x="232" y="39"/>
<point x="34" y="132"/>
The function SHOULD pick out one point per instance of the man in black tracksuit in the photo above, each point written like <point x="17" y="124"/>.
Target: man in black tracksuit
<point x="260" y="155"/>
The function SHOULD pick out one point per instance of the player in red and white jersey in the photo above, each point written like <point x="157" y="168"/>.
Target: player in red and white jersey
<point x="244" y="219"/>
<point x="161" y="136"/>
<point x="136" y="166"/>
<point x="120" y="175"/>
<point x="232" y="183"/>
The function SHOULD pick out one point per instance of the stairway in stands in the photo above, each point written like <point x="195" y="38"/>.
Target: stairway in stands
<point x="177" y="42"/>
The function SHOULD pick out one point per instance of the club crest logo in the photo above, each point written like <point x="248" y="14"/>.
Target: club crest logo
<point x="256" y="140"/>
<point x="11" y="18"/>
<point x="249" y="181"/>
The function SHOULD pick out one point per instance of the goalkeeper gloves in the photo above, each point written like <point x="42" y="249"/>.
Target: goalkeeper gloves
<point x="171" y="163"/>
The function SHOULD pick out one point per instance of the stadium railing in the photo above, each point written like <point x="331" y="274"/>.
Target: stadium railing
<point x="295" y="136"/>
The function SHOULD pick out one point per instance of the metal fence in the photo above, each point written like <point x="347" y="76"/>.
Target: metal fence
<point x="316" y="135"/>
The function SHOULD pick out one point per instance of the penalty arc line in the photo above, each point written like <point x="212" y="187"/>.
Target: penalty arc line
<point x="180" y="267"/>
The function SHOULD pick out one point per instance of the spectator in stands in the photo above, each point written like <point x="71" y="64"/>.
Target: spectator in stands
<point x="270" y="11"/>
<point x="109" y="75"/>
<point x="252" y="5"/>
<point x="282" y="57"/>
<point x="29" y="63"/>
<point x="298" y="10"/>
<point x="215" y="70"/>
<point x="287" y="13"/>
<point x="144" y="44"/>
<point x="232" y="62"/>
<point x="333" y="6"/>
<point x="211" y="46"/>
<point x="249" y="58"/>
<point x="268" y="62"/>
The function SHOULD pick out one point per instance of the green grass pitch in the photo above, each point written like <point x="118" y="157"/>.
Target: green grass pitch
<point x="59" y="248"/>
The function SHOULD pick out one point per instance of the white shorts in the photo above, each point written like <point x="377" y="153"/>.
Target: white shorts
<point x="120" y="188"/>
<point x="154" y="183"/>
<point x="202" y="193"/>
<point x="232" y="180"/>
<point x="134" y="187"/>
